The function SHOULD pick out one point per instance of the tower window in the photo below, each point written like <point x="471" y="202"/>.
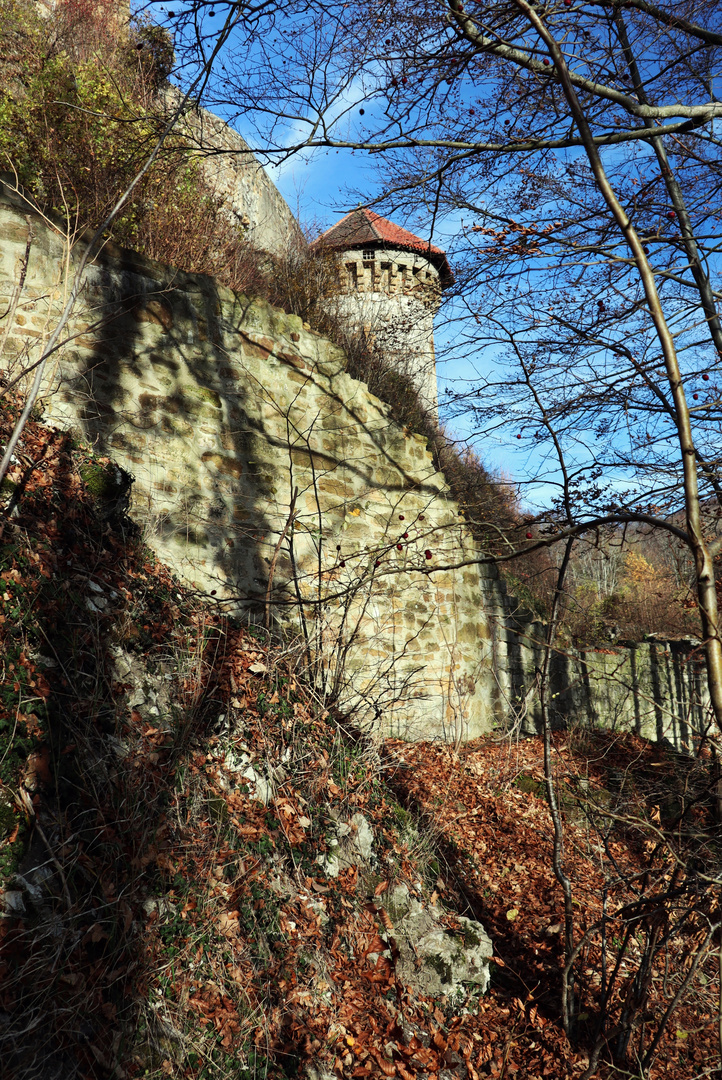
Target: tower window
<point x="368" y="254"/>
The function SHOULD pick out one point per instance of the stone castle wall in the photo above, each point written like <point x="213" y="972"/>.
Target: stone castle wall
<point x="393" y="296"/>
<point x="655" y="688"/>
<point x="222" y="407"/>
<point x="250" y="199"/>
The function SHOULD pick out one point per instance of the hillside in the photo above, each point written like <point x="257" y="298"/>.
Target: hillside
<point x="214" y="861"/>
<point x="209" y="873"/>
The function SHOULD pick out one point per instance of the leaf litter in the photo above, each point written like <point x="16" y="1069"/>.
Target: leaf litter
<point x="183" y="923"/>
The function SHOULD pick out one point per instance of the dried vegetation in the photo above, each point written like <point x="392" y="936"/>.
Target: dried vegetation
<point x="162" y="919"/>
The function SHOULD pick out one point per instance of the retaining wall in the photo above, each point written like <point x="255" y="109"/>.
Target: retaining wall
<point x="222" y="408"/>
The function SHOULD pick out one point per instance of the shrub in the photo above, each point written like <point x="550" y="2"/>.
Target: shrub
<point x="79" y="113"/>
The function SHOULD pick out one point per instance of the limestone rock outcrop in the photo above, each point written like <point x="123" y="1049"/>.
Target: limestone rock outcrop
<point x="432" y="959"/>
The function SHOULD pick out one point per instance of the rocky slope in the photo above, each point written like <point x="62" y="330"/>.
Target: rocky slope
<point x="207" y="871"/>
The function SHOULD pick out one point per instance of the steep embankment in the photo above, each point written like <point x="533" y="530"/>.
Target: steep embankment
<point x="207" y="874"/>
<point x="194" y="851"/>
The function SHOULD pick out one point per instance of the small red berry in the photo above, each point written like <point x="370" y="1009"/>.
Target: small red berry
<point x="706" y="378"/>
<point x="406" y="536"/>
<point x="427" y="553"/>
<point x="529" y="536"/>
<point x="518" y="436"/>
<point x="378" y="562"/>
<point x="399" y="547"/>
<point x="338" y="547"/>
<point x="695" y="396"/>
<point x="545" y="62"/>
<point x="394" y="82"/>
<point x="401" y="517"/>
<point x="404" y="81"/>
<point x="342" y="563"/>
<point x="421" y="517"/>
<point x="671" y="215"/>
<point x="471" y="112"/>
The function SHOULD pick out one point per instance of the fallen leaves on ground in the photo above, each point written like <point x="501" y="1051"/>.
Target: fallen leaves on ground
<point x="185" y="924"/>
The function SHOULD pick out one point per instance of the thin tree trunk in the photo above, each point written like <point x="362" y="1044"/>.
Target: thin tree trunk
<point x="567" y="1001"/>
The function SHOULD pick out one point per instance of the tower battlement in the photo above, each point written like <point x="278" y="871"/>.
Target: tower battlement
<point x="391" y="286"/>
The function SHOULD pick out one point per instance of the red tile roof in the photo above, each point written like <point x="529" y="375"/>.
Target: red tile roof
<point x="363" y="228"/>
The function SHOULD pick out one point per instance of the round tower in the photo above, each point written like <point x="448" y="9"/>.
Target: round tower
<point x="391" y="287"/>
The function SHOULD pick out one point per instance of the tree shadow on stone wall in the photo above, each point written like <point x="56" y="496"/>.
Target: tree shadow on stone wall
<point x="189" y="389"/>
<point x="154" y="398"/>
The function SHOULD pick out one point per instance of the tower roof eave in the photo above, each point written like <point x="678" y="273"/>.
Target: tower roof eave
<point x="363" y="228"/>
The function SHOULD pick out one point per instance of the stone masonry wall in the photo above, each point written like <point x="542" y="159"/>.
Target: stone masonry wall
<point x="250" y="199"/>
<point x="222" y="407"/>
<point x="655" y="688"/>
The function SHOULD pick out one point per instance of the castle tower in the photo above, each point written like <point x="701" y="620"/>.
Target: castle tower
<point x="391" y="286"/>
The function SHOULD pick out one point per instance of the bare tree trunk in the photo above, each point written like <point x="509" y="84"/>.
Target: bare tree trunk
<point x="567" y="996"/>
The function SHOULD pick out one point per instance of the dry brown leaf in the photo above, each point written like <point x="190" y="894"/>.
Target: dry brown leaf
<point x="228" y="926"/>
<point x="388" y="1068"/>
<point x="385" y="919"/>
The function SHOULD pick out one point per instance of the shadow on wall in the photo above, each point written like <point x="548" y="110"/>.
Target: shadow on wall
<point x="151" y="393"/>
<point x="654" y="688"/>
<point x="231" y="415"/>
<point x="222" y="408"/>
